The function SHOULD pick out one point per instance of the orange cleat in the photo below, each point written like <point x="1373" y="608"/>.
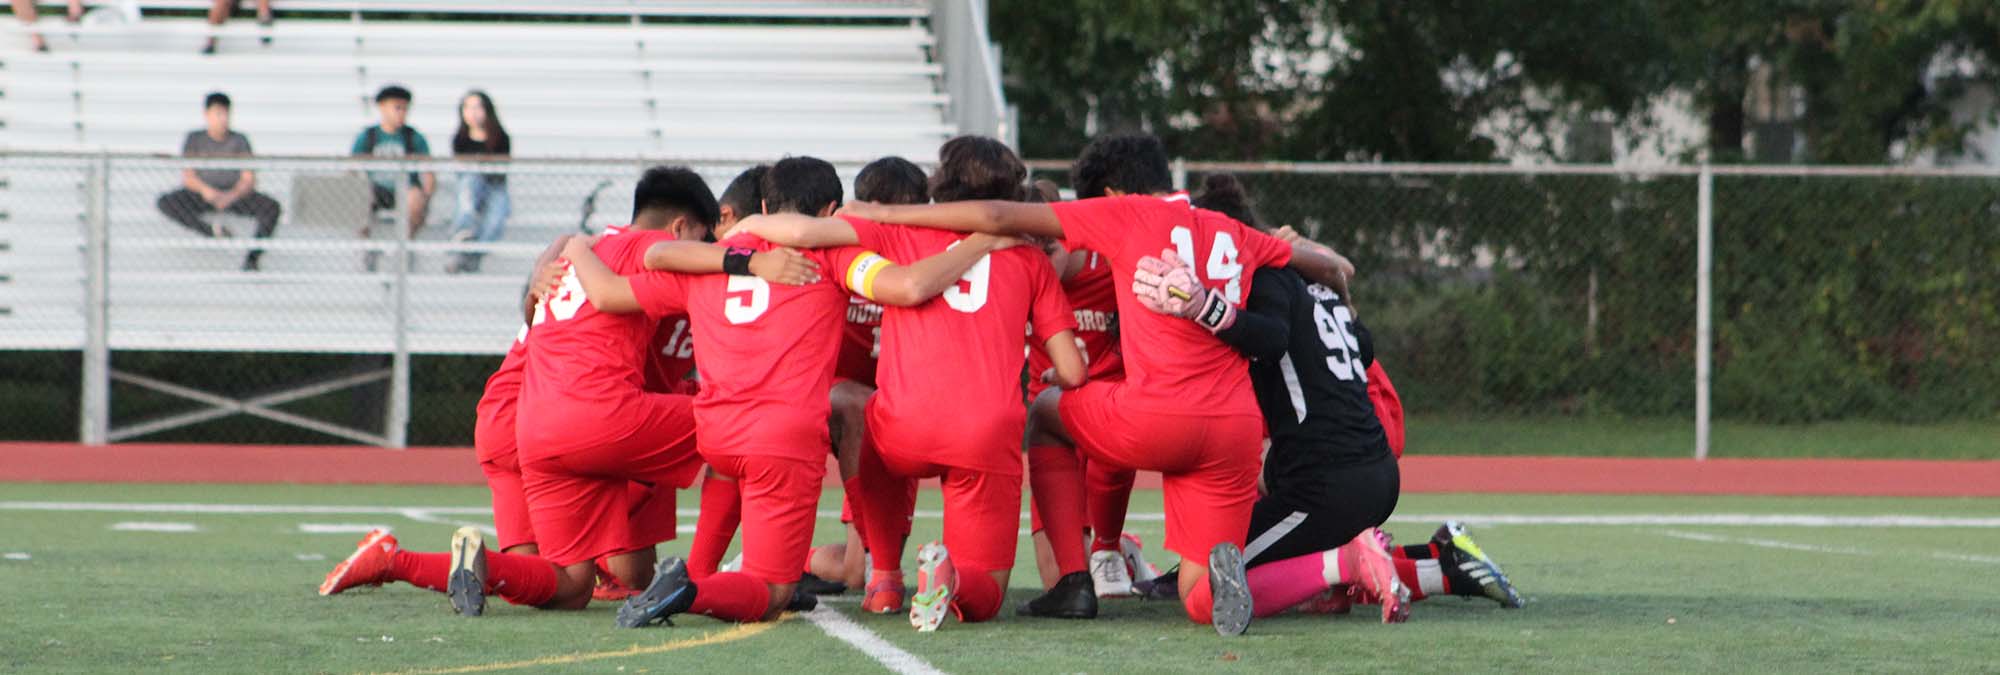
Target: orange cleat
<point x="609" y="590"/>
<point x="885" y="594"/>
<point x="368" y="566"/>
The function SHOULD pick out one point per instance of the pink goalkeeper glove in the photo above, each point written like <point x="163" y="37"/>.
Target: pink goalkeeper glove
<point x="1168" y="286"/>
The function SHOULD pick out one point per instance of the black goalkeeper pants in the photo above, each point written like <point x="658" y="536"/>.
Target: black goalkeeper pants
<point x="1310" y="516"/>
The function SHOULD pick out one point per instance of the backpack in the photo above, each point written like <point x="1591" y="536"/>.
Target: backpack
<point x="374" y="135"/>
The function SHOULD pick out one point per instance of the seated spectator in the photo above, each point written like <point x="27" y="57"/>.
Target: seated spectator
<point x="25" y="10"/>
<point x="482" y="197"/>
<point x="219" y="11"/>
<point x="392" y="138"/>
<point x="205" y="191"/>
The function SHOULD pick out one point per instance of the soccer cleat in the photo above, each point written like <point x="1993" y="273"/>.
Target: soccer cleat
<point x="671" y="592"/>
<point x="1378" y="576"/>
<point x="1073" y="597"/>
<point x="1229" y="586"/>
<point x="608" y="589"/>
<point x="811" y="583"/>
<point x="1164" y="587"/>
<point x="1108" y="575"/>
<point x="467" y="583"/>
<point x="937" y="584"/>
<point x="1135" y="562"/>
<point x="367" y="566"/>
<point x="885" y="594"/>
<point x="802" y="601"/>
<point x="1456" y="548"/>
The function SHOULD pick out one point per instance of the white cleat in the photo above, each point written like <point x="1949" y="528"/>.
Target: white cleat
<point x="1108" y="575"/>
<point x="1135" y="559"/>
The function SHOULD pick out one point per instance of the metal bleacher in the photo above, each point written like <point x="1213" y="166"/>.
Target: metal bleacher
<point x="590" y="92"/>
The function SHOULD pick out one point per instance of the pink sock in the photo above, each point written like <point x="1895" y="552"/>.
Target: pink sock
<point x="1276" y="587"/>
<point x="429" y="571"/>
<point x="731" y="596"/>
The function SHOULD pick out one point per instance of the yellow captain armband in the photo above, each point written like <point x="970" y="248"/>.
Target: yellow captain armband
<point x="862" y="272"/>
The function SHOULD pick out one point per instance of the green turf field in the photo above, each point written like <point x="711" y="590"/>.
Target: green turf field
<point x="237" y="595"/>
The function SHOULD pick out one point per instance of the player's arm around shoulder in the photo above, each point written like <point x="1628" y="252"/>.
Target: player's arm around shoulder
<point x="887" y="283"/>
<point x="988" y="216"/>
<point x="779" y="266"/>
<point x="1317" y="261"/>
<point x="603" y="287"/>
<point x="799" y="230"/>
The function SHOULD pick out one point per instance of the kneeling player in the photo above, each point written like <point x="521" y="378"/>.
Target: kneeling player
<point x="767" y="365"/>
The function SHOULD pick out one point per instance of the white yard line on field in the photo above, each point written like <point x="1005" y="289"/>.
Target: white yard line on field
<point x="1816" y="548"/>
<point x="154" y="527"/>
<point x="867" y="642"/>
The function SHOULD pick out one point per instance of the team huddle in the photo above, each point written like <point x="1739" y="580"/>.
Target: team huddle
<point x="1158" y="331"/>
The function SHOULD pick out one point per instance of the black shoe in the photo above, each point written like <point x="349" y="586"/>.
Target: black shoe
<point x="1230" y="589"/>
<point x="1073" y="597"/>
<point x="802" y="601"/>
<point x="813" y="585"/>
<point x="1164" y="587"/>
<point x="252" y="264"/>
<point x="671" y="592"/>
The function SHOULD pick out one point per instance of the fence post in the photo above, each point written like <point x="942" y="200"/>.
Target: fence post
<point x="1704" y="289"/>
<point x="96" y="404"/>
<point x="1180" y="173"/>
<point x="396" y="422"/>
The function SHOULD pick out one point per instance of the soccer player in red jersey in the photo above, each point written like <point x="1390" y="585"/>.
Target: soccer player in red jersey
<point x="964" y="429"/>
<point x="834" y="568"/>
<point x="1185" y="407"/>
<point x="767" y="364"/>
<point x="640" y="514"/>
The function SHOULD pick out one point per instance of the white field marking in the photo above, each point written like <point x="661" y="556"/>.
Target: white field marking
<point x="339" y="528"/>
<point x="154" y="527"/>
<point x="867" y="642"/>
<point x="433" y="514"/>
<point x="1815" y="548"/>
<point x="17" y="555"/>
<point x="425" y="515"/>
<point x="309" y="557"/>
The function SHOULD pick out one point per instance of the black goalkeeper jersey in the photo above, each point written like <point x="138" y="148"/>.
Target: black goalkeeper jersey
<point x="1309" y="365"/>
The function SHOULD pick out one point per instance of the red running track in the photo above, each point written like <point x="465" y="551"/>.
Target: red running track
<point x="168" y="463"/>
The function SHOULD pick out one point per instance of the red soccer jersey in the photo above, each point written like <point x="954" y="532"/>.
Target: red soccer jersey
<point x="951" y="367"/>
<point x="671" y="356"/>
<point x="1090" y="294"/>
<point x="860" y="341"/>
<point x="767" y="352"/>
<point x="503" y="388"/>
<point x="1171" y="364"/>
<point x="585" y="360"/>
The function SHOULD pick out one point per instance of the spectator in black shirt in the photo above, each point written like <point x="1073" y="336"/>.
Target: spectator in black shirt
<point x="483" y="205"/>
<point x="205" y="191"/>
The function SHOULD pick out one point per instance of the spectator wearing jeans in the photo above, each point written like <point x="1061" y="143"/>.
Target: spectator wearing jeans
<point x="391" y="138"/>
<point x="25" y="11"/>
<point x="205" y="191"/>
<point x="482" y="197"/>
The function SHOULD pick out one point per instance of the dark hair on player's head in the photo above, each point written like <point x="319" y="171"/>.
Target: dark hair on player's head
<point x="394" y="92"/>
<point x="745" y="194"/>
<point x="977" y="167"/>
<point x="1222" y="193"/>
<point x="1044" y="191"/>
<point x="801" y="185"/>
<point x="1135" y="164"/>
<point x="215" y="98"/>
<point x="891" y="180"/>
<point x="675" y="190"/>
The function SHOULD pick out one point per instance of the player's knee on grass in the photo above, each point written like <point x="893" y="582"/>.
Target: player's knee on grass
<point x="573" y="585"/>
<point x="633" y="569"/>
<point x="1193" y="574"/>
<point x="828" y="562"/>
<point x="1045" y="425"/>
<point x="781" y="597"/>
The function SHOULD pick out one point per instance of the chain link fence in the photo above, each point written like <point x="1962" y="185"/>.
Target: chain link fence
<point x="1548" y="310"/>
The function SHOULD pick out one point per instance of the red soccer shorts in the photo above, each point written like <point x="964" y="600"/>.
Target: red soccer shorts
<point x="493" y="444"/>
<point x="579" y="497"/>
<point x="1209" y="463"/>
<point x="780" y="503"/>
<point x="982" y="509"/>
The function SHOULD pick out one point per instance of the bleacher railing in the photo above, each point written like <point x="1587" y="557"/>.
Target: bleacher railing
<point x="1512" y="304"/>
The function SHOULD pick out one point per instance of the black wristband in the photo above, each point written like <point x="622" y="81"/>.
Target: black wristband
<point x="736" y="261"/>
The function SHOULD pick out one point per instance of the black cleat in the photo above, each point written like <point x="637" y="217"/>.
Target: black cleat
<point x="813" y="585"/>
<point x="1164" y="587"/>
<point x="467" y="583"/>
<point x="1073" y="597"/>
<point x="1469" y="568"/>
<point x="671" y="592"/>
<point x="1230" y="588"/>
<point x="802" y="601"/>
